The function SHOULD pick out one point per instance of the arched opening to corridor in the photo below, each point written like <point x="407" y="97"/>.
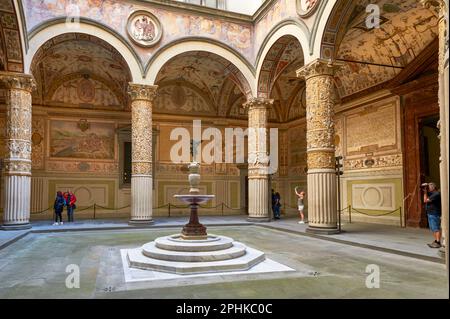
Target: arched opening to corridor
<point x="207" y="87"/>
<point x="278" y="81"/>
<point x="387" y="87"/>
<point x="82" y="98"/>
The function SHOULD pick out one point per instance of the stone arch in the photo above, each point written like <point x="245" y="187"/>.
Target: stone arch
<point x="45" y="32"/>
<point x="239" y="66"/>
<point x="286" y="28"/>
<point x="282" y="56"/>
<point x="80" y="69"/>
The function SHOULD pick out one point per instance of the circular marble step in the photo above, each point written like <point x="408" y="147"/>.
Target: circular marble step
<point x="175" y="243"/>
<point x="252" y="257"/>
<point x="151" y="250"/>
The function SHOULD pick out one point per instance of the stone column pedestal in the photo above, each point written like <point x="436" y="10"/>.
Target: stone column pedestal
<point x="142" y="97"/>
<point x="17" y="163"/>
<point x="322" y="194"/>
<point x="258" y="160"/>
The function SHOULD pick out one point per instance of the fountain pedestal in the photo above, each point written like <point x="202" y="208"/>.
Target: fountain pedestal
<point x="194" y="251"/>
<point x="194" y="230"/>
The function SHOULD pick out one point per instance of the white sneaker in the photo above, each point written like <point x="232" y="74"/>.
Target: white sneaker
<point x="62" y="223"/>
<point x="55" y="224"/>
<point x="301" y="222"/>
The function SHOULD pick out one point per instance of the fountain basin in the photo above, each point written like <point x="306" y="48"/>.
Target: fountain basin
<point x="195" y="199"/>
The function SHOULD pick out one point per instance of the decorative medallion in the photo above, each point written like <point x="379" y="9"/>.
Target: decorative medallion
<point x="306" y="8"/>
<point x="86" y="90"/>
<point x="83" y="125"/>
<point x="144" y="28"/>
<point x="36" y="138"/>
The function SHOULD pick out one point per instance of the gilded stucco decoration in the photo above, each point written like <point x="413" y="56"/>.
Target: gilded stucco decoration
<point x="142" y="97"/>
<point x="18" y="122"/>
<point x="258" y="158"/>
<point x="320" y="112"/>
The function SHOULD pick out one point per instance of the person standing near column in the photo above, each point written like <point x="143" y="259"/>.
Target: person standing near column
<point x="301" y="205"/>
<point x="432" y="200"/>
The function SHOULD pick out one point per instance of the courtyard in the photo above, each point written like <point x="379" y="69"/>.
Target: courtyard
<point x="34" y="266"/>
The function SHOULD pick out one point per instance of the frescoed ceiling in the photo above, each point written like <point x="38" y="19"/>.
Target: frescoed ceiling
<point x="199" y="83"/>
<point x="375" y="55"/>
<point x="84" y="67"/>
<point x="278" y="79"/>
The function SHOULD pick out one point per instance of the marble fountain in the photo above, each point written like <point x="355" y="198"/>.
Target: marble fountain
<point x="194" y="251"/>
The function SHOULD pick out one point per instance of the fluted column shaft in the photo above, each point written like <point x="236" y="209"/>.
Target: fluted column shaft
<point x="142" y="97"/>
<point x="17" y="163"/>
<point x="258" y="159"/>
<point x="322" y="194"/>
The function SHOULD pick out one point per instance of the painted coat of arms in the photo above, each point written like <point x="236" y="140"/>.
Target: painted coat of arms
<point x="144" y="28"/>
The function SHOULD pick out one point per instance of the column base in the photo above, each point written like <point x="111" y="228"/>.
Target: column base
<point x="15" y="226"/>
<point x="141" y="223"/>
<point x="441" y="252"/>
<point x="259" y="219"/>
<point x="322" y="231"/>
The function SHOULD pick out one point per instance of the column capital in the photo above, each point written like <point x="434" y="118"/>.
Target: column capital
<point x="258" y="103"/>
<point x="17" y="81"/>
<point x="142" y="92"/>
<point x="439" y="7"/>
<point x="319" y="67"/>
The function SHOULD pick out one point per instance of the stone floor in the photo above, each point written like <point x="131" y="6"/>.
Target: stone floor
<point x="34" y="266"/>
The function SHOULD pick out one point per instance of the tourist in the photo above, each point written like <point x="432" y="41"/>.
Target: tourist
<point x="70" y="203"/>
<point x="60" y="202"/>
<point x="273" y="203"/>
<point x="276" y="205"/>
<point x="432" y="200"/>
<point x="300" y="204"/>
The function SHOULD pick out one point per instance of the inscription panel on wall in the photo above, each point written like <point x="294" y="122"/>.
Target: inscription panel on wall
<point x="372" y="130"/>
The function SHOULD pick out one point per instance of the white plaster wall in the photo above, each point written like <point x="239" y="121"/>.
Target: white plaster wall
<point x="246" y="7"/>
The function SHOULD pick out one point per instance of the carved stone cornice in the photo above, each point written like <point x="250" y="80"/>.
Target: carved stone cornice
<point x="144" y="92"/>
<point x="17" y="81"/>
<point x="319" y="67"/>
<point x="439" y="7"/>
<point x="258" y="103"/>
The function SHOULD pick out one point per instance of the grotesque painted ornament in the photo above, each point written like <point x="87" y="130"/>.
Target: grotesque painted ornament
<point x="144" y="28"/>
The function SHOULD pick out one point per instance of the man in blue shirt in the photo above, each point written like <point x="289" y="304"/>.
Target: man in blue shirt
<point x="432" y="200"/>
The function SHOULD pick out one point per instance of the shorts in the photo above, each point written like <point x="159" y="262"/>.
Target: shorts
<point x="434" y="221"/>
<point x="301" y="207"/>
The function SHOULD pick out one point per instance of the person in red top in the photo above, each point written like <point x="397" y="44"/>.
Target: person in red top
<point x="70" y="203"/>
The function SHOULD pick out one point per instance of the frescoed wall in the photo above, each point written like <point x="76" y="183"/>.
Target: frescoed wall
<point x="176" y="24"/>
<point x="82" y="140"/>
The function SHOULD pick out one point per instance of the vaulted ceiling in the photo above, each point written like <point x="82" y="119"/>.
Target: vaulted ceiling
<point x="200" y="83"/>
<point x="80" y="70"/>
<point x="374" y="55"/>
<point x="278" y="79"/>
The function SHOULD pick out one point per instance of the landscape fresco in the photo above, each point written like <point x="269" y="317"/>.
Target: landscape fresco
<point x="67" y="140"/>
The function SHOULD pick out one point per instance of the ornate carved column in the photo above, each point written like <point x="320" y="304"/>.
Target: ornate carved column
<point x="440" y="9"/>
<point x="17" y="163"/>
<point x="322" y="195"/>
<point x="142" y="97"/>
<point x="258" y="160"/>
